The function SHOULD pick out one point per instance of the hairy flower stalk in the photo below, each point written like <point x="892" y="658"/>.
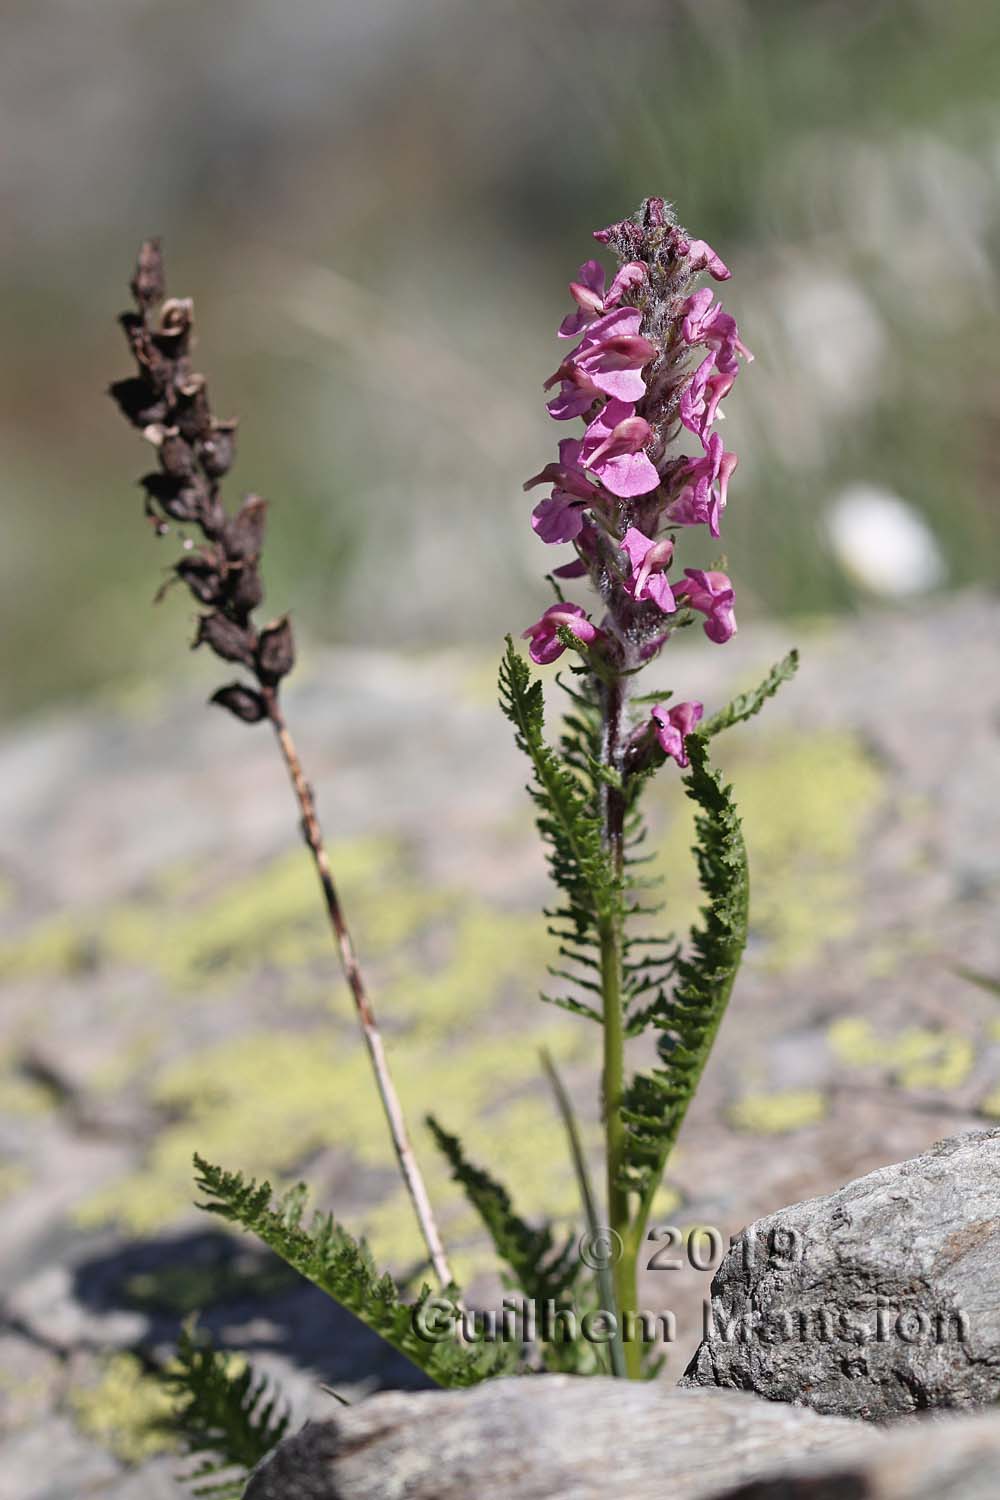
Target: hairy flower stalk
<point x="655" y="357"/>
<point x="169" y="404"/>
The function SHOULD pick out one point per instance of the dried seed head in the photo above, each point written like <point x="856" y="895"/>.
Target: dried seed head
<point x="168" y="401"/>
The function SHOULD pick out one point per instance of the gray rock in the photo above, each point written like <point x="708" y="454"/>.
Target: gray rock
<point x="932" y="1458"/>
<point x="881" y="1299"/>
<point x="554" y="1437"/>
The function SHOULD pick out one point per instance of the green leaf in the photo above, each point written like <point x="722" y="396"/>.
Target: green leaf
<point x="539" y="1268"/>
<point x="748" y="704"/>
<point x="226" y="1413"/>
<point x="343" y="1268"/>
<point x="568" y="812"/>
<point x="655" y="1103"/>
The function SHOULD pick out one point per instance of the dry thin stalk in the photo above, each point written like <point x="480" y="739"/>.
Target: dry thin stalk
<point x="169" y="404"/>
<point x="313" y="835"/>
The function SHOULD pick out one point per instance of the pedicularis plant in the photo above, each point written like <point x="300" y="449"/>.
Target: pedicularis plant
<point x="649" y="358"/>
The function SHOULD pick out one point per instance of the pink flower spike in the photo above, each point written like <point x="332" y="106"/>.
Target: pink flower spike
<point x="712" y="595"/>
<point x="701" y="257"/>
<point x="673" y="725"/>
<point x="612" y="449"/>
<point x="650" y="561"/>
<point x="545" y="643"/>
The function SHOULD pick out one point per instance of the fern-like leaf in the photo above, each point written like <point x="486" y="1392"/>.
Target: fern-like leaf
<point x="656" y="1102"/>
<point x="226" y="1414"/>
<point x="747" y="704"/>
<point x="567" y="815"/>
<point x="540" y="1268"/>
<point x="343" y="1268"/>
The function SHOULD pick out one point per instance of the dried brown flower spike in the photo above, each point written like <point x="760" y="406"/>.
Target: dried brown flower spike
<point x="168" y="401"/>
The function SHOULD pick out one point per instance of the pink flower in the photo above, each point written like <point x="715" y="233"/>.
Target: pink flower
<point x="560" y="517"/>
<point x="704" y="497"/>
<point x="589" y="295"/>
<point x="708" y="323"/>
<point x="673" y="725"/>
<point x="575" y="397"/>
<point x="700" y="399"/>
<point x="701" y="257"/>
<point x="608" y="360"/>
<point x="650" y="561"/>
<point x="545" y="643"/>
<point x="612" y="449"/>
<point x="567" y="474"/>
<point x="712" y="595"/>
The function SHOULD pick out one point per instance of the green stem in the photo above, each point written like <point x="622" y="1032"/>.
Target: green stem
<point x="613" y="1078"/>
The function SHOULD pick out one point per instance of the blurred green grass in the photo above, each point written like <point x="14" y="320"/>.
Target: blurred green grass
<point x="377" y="213"/>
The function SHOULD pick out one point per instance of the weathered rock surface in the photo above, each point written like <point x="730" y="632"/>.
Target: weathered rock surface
<point x="881" y="1299"/>
<point x="934" y="1458"/>
<point x="555" y="1437"/>
<point x="165" y="964"/>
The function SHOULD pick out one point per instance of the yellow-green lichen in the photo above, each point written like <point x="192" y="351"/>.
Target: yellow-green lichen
<point x="192" y="935"/>
<point x="990" y="1106"/>
<point x="268" y="1101"/>
<point x="20" y="1094"/>
<point x="127" y="1410"/>
<point x="14" y="1175"/>
<point x="778" y="1113"/>
<point x="804" y="800"/>
<point x="916" y="1058"/>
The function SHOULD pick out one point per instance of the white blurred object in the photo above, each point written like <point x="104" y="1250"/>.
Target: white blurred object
<point x="882" y="543"/>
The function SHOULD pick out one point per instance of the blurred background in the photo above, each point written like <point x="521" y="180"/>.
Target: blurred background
<point x="377" y="208"/>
